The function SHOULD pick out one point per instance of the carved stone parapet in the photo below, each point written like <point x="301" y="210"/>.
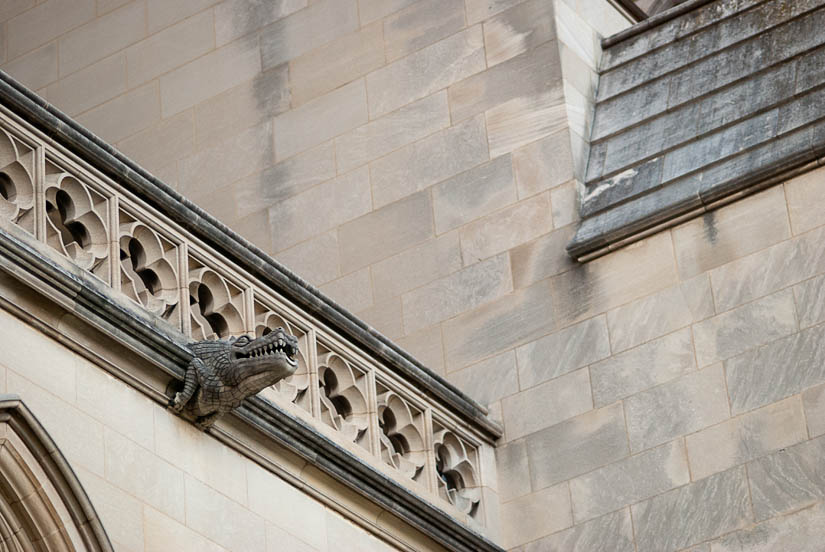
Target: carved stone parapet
<point x="367" y="405"/>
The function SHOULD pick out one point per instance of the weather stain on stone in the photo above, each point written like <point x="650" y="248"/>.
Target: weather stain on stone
<point x="574" y="291"/>
<point x="710" y="229"/>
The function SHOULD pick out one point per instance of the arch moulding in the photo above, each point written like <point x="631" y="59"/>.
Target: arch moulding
<point x="43" y="506"/>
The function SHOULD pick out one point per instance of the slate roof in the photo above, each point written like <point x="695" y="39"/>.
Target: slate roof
<point x="712" y="102"/>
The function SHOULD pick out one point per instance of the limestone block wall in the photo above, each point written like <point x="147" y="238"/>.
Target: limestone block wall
<point x="678" y="400"/>
<point x="157" y="483"/>
<point x="390" y="151"/>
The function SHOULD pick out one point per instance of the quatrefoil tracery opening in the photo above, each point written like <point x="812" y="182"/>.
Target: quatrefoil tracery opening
<point x="134" y="259"/>
<point x="389" y="427"/>
<point x="61" y="211"/>
<point x="451" y="479"/>
<point x="215" y="305"/>
<point x="455" y="465"/>
<point x="17" y="196"/>
<point x="75" y="216"/>
<point x="147" y="267"/>
<point x="16" y="183"/>
<point x="343" y="396"/>
<point x="204" y="302"/>
<point x="329" y="383"/>
<point x="401" y="434"/>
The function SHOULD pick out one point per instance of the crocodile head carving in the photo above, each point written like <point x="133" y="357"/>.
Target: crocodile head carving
<point x="273" y="352"/>
<point x="223" y="373"/>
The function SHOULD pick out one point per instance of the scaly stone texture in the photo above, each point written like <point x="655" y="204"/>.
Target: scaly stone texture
<point x="419" y="161"/>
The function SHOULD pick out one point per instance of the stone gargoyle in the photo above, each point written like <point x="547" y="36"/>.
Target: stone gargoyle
<point x="223" y="373"/>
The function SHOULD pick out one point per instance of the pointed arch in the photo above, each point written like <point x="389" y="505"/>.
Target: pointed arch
<point x="43" y="507"/>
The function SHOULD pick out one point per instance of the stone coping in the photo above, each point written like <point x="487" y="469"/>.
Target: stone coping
<point x="204" y="226"/>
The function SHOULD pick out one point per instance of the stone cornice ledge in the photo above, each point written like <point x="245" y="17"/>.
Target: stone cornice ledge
<point x="77" y="291"/>
<point x="669" y="206"/>
<point x="177" y="208"/>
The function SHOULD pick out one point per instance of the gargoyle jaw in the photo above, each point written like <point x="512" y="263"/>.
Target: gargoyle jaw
<point x="274" y="346"/>
<point x="224" y="373"/>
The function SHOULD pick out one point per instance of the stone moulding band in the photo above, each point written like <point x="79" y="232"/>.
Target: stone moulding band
<point x="639" y="227"/>
<point x="195" y="220"/>
<point x="366" y="414"/>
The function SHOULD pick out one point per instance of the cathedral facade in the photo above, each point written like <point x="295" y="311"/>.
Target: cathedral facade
<point x="408" y="275"/>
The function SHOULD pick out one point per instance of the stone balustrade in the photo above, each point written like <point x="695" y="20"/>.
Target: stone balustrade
<point x="339" y="388"/>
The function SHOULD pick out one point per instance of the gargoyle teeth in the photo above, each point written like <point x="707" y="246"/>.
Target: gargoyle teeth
<point x="279" y="345"/>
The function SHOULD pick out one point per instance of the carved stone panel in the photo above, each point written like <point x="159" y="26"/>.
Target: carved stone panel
<point x="344" y="396"/>
<point x="402" y="433"/>
<point x="215" y="304"/>
<point x="456" y="466"/>
<point x="148" y="268"/>
<point x="77" y="221"/>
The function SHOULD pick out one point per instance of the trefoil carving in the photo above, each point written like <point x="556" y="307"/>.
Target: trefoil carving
<point x="147" y="269"/>
<point x="215" y="305"/>
<point x="455" y="465"/>
<point x="76" y="221"/>
<point x="402" y="434"/>
<point x="343" y="396"/>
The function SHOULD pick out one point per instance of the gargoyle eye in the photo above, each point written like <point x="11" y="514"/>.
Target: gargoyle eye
<point x="243" y="340"/>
